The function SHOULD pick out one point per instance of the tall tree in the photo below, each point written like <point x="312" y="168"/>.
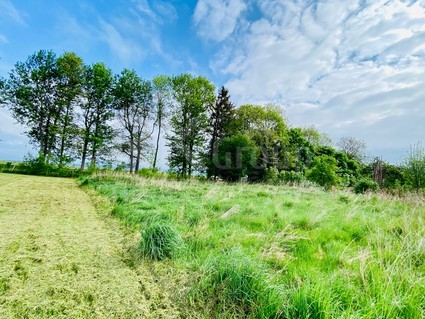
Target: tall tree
<point x="31" y="95"/>
<point x="221" y="116"/>
<point x="97" y="111"/>
<point x="71" y="69"/>
<point x="133" y="104"/>
<point x="193" y="96"/>
<point x="162" y="94"/>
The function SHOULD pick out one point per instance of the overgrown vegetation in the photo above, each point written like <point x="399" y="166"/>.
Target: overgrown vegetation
<point x="279" y="251"/>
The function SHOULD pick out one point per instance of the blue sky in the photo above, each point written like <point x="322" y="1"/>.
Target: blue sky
<point x="349" y="67"/>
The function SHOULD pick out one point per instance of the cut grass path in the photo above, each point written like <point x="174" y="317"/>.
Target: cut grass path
<point x="61" y="258"/>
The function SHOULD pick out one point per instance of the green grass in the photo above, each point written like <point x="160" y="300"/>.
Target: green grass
<point x="284" y="252"/>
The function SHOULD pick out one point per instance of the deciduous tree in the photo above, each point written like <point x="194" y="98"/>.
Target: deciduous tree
<point x="133" y="104"/>
<point x="31" y="95"/>
<point x="193" y="96"/>
<point x="97" y="111"/>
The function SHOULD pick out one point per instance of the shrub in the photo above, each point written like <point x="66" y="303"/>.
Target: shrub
<point x="271" y="175"/>
<point x="414" y="167"/>
<point x="364" y="185"/>
<point x="160" y="241"/>
<point x="323" y="171"/>
<point x="290" y="177"/>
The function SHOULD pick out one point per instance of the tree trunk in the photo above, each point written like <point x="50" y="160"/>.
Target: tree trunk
<point x="62" y="147"/>
<point x="84" y="154"/>
<point x="157" y="143"/>
<point x="131" y="152"/>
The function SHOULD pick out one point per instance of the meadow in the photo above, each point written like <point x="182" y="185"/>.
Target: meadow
<point x="261" y="251"/>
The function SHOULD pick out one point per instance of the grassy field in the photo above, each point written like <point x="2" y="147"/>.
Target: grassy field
<point x="61" y="258"/>
<point x="275" y="251"/>
<point x="155" y="248"/>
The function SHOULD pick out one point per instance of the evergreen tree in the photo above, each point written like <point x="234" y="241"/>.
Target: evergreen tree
<point x="221" y="116"/>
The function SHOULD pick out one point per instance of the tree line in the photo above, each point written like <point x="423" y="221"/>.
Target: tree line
<point x="86" y="113"/>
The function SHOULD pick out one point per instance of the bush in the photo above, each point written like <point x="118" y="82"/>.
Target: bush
<point x="364" y="185"/>
<point x="271" y="175"/>
<point x="323" y="171"/>
<point x="160" y="241"/>
<point x="290" y="177"/>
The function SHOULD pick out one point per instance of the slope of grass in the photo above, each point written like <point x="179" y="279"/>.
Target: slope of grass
<point x="283" y="252"/>
<point x="59" y="258"/>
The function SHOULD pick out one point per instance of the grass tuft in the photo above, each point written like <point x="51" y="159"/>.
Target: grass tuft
<point x="160" y="241"/>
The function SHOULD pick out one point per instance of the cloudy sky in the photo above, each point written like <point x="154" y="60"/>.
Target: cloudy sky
<point x="349" y="67"/>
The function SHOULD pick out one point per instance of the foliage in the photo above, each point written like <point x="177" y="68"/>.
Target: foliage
<point x="297" y="153"/>
<point x="133" y="105"/>
<point x="70" y="75"/>
<point x="414" y="167"/>
<point x="323" y="171"/>
<point x="364" y="185"/>
<point x="193" y="96"/>
<point x="315" y="138"/>
<point x="271" y="175"/>
<point x="31" y="95"/>
<point x="97" y="111"/>
<point x="291" y="177"/>
<point x="39" y="166"/>
<point x="222" y="113"/>
<point x="236" y="157"/>
<point x="159" y="241"/>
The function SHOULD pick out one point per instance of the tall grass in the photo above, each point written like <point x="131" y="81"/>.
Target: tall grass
<point x="159" y="241"/>
<point x="285" y="252"/>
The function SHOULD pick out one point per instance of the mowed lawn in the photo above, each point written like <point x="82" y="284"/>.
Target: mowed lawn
<point x="61" y="258"/>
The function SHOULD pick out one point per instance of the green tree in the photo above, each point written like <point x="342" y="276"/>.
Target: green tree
<point x="298" y="153"/>
<point x="323" y="171"/>
<point x="162" y="95"/>
<point x="266" y="127"/>
<point x="71" y="70"/>
<point x="31" y="95"/>
<point x="221" y="116"/>
<point x="414" y="166"/>
<point x="133" y="104"/>
<point x="236" y="157"/>
<point x="315" y="138"/>
<point x="97" y="111"/>
<point x="193" y="96"/>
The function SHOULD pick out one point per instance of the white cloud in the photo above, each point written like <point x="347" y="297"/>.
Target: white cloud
<point x="217" y="19"/>
<point x="349" y="67"/>
<point x="7" y="9"/>
<point x="124" y="47"/>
